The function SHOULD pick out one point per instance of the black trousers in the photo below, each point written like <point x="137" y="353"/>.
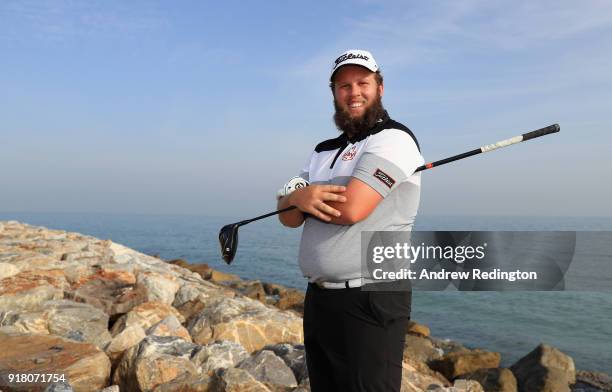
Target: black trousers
<point x="355" y="339"/>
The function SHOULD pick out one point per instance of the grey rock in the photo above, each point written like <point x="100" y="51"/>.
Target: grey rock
<point x="155" y="360"/>
<point x="598" y="380"/>
<point x="265" y="366"/>
<point x="545" y="369"/>
<point x="223" y="354"/>
<point x="69" y="319"/>
<point x="77" y="321"/>
<point x="294" y="357"/>
<point x="246" y="321"/>
<point x="29" y="298"/>
<point x="186" y="383"/>
<point x="110" y="295"/>
<point x="157" y="287"/>
<point x="235" y="380"/>
<point x="421" y="378"/>
<point x="59" y="387"/>
<point x="467" y="386"/>
<point x="169" y="326"/>
<point x="127" y="338"/>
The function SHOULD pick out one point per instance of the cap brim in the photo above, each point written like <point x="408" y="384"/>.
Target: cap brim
<point x="331" y="78"/>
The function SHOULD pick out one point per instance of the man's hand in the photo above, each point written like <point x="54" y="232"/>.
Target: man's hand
<point x="313" y="200"/>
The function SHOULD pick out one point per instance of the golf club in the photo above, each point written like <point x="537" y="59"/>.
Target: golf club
<point x="228" y="236"/>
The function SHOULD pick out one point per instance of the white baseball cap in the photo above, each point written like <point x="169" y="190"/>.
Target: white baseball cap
<point x="355" y="57"/>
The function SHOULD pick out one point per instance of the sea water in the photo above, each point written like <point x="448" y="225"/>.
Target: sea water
<point x="512" y="323"/>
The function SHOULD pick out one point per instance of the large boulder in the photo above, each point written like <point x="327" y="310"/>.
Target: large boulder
<point x="235" y="380"/>
<point x="157" y="287"/>
<point x="420" y="349"/>
<point x="245" y="321"/>
<point x="186" y="383"/>
<point x="192" y="298"/>
<point x="266" y="367"/>
<point x="154" y="361"/>
<point x="294" y="356"/>
<point x="111" y="290"/>
<point x="71" y="320"/>
<point x="457" y="363"/>
<point x="145" y="315"/>
<point x="27" y="290"/>
<point x="218" y="355"/>
<point x="545" y="369"/>
<point x="169" y="326"/>
<point x="128" y="337"/>
<point x="415" y="378"/>
<point x="84" y="366"/>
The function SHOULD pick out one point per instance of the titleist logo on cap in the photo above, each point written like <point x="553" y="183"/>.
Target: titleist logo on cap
<point x="349" y="56"/>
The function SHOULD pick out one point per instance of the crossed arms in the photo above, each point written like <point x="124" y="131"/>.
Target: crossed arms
<point x="340" y="205"/>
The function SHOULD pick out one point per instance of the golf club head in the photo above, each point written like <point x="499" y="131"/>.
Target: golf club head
<point x="228" y="239"/>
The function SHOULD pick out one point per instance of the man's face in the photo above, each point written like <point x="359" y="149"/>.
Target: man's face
<point x="356" y="90"/>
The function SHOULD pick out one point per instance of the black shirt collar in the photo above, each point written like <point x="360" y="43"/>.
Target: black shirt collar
<point x="380" y="125"/>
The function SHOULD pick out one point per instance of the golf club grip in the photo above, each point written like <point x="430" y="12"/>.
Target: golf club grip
<point x="541" y="132"/>
<point x="490" y="147"/>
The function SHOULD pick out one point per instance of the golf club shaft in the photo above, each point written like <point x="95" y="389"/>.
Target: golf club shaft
<point x="490" y="147"/>
<point x="486" y="148"/>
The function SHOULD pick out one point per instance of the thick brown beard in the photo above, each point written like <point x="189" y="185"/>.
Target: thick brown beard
<point x="354" y="126"/>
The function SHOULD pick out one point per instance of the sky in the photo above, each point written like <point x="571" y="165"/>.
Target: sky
<point x="207" y="108"/>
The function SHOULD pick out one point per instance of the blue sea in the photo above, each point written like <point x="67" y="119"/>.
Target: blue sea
<point x="579" y="323"/>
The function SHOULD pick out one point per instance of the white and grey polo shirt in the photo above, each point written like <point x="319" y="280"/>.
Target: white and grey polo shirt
<point x="385" y="158"/>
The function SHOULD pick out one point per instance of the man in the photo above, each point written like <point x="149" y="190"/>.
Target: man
<point x="363" y="180"/>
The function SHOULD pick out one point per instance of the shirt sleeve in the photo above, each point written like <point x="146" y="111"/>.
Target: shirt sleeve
<point x="305" y="172"/>
<point x="390" y="158"/>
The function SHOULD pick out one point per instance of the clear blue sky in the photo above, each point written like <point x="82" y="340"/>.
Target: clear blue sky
<point x="196" y="107"/>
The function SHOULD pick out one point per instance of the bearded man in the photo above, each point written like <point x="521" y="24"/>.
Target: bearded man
<point x="362" y="180"/>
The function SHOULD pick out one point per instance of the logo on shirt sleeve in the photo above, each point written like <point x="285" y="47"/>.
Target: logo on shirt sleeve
<point x="384" y="177"/>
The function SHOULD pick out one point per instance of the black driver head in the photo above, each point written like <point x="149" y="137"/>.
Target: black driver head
<point x="228" y="239"/>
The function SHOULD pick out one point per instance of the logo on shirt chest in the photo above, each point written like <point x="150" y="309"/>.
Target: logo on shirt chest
<point x="350" y="154"/>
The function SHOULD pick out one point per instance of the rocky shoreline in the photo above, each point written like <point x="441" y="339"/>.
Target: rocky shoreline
<point x="84" y="314"/>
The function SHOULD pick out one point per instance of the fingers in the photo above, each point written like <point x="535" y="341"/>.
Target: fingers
<point x="333" y="197"/>
<point x="312" y="200"/>
<point x="328" y="210"/>
<point x="333" y="188"/>
<point x="317" y="213"/>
